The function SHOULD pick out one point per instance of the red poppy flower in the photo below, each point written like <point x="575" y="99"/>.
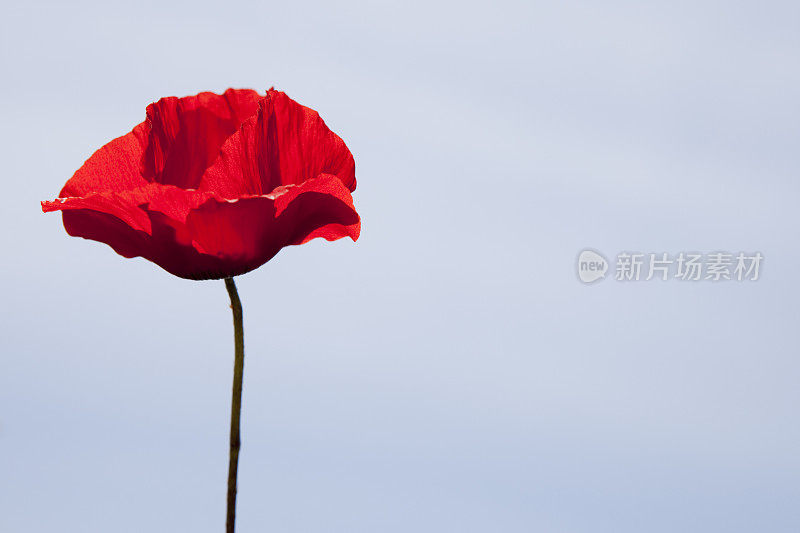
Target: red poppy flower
<point x="212" y="186"/>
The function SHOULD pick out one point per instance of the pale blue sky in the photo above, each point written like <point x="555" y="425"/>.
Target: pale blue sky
<point x="447" y="372"/>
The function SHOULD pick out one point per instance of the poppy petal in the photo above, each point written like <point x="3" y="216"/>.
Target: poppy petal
<point x="124" y="220"/>
<point x="185" y="134"/>
<point x="114" y="167"/>
<point x="284" y="143"/>
<point x="249" y="231"/>
<point x="198" y="235"/>
<point x="320" y="207"/>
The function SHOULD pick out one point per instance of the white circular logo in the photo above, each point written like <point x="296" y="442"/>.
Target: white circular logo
<point x="591" y="266"/>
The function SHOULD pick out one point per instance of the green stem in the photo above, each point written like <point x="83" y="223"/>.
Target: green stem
<point x="236" y="402"/>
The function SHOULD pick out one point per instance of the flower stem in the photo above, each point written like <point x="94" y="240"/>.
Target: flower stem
<point x="236" y="402"/>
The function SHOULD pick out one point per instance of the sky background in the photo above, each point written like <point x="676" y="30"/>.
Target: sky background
<point x="447" y="372"/>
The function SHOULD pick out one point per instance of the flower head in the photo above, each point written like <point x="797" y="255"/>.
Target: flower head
<point x="213" y="186"/>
